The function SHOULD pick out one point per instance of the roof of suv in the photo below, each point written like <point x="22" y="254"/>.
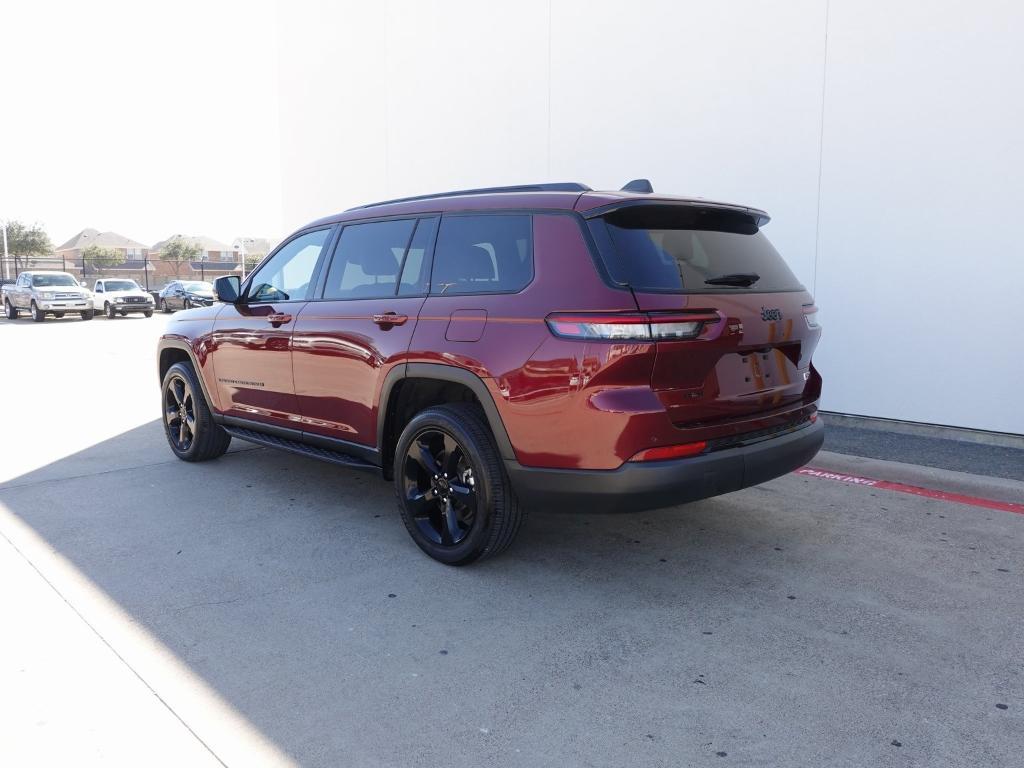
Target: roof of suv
<point x="566" y="196"/>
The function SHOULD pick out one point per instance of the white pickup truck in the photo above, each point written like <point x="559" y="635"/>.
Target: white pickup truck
<point x="119" y="296"/>
<point x="46" y="293"/>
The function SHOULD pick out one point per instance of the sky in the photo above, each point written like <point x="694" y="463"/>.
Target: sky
<point x="141" y="118"/>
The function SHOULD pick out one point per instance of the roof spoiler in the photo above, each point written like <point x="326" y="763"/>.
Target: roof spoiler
<point x="642" y="186"/>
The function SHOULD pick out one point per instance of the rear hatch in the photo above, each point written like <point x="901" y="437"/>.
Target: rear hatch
<point x="753" y="355"/>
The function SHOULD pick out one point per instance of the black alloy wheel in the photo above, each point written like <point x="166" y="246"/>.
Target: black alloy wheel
<point x="453" y="493"/>
<point x="179" y="413"/>
<point x="188" y="424"/>
<point x="440" y="492"/>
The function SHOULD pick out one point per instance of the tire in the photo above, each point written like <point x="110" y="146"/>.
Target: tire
<point x="163" y="307"/>
<point x="450" y="528"/>
<point x="148" y="313"/>
<point x="58" y="314"/>
<point x="37" y="314"/>
<point x="9" y="310"/>
<point x="88" y="314"/>
<point x="108" y="310"/>
<point x="180" y="394"/>
<point x="124" y="313"/>
<point x="187" y="304"/>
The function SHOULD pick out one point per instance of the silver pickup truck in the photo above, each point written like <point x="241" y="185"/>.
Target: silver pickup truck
<point x="46" y="293"/>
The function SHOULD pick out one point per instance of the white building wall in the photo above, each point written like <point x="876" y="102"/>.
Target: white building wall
<point x="888" y="150"/>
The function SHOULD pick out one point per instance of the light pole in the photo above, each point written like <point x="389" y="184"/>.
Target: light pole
<point x="6" y="255"/>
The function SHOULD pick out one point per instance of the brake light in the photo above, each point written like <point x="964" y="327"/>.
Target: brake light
<point x="637" y="326"/>
<point x="811" y="316"/>
<point x="663" y="452"/>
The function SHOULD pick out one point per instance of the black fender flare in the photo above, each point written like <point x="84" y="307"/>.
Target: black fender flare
<point x="441" y="372"/>
<point x="184" y="346"/>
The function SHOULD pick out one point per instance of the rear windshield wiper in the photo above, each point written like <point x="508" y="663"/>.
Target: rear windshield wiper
<point x="737" y="279"/>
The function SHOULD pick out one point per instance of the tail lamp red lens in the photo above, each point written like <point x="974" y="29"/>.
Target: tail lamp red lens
<point x="663" y="452"/>
<point x="638" y="326"/>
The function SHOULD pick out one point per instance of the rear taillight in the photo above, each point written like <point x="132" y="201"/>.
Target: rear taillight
<point x="811" y="316"/>
<point x="663" y="452"/>
<point x="636" y="326"/>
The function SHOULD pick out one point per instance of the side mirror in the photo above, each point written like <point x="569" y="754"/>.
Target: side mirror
<point x="227" y="288"/>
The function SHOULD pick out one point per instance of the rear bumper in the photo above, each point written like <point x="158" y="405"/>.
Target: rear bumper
<point x="637" y="486"/>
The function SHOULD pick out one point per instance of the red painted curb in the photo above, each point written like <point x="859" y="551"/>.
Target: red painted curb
<point x="914" y="490"/>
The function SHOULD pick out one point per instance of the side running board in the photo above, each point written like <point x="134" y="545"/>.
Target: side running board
<point x="293" y="446"/>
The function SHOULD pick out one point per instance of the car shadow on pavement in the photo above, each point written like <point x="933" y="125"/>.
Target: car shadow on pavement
<point x="790" y="619"/>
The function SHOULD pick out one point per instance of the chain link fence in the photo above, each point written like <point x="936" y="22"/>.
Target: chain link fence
<point x="150" y="274"/>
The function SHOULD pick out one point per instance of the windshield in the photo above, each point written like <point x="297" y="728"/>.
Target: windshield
<point x="121" y="285"/>
<point x="685" y="249"/>
<point x="51" y="281"/>
<point x="198" y="286"/>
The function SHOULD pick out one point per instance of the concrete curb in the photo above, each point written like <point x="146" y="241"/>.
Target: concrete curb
<point x="995" y="488"/>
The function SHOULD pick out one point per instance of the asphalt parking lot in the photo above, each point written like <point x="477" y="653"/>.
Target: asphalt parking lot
<point x="269" y="609"/>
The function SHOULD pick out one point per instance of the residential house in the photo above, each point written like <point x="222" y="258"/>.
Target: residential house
<point x="133" y="252"/>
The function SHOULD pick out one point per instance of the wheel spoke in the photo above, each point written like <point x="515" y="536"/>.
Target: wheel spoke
<point x="450" y="531"/>
<point x="421" y="504"/>
<point x="178" y="390"/>
<point x="171" y="414"/>
<point x="182" y="429"/>
<point x="452" y="454"/>
<point x="426" y="460"/>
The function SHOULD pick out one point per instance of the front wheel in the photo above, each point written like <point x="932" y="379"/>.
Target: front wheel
<point x="37" y="314"/>
<point x="163" y="307"/>
<point x="148" y="313"/>
<point x="453" y="493"/>
<point x="88" y="314"/>
<point x="188" y="424"/>
<point x="187" y="304"/>
<point x="9" y="311"/>
<point x="108" y="310"/>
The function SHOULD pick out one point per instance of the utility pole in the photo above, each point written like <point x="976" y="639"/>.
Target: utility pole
<point x="6" y="255"/>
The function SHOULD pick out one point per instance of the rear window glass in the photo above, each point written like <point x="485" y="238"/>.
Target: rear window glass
<point x="490" y="253"/>
<point x="679" y="249"/>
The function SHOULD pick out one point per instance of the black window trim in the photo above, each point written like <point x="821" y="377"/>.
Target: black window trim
<point x="331" y="229"/>
<point x="530" y="214"/>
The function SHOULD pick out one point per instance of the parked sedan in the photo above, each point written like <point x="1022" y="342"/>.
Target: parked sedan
<point x="185" y="294"/>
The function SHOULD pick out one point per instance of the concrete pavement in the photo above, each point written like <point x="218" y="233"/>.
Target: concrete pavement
<point x="266" y="608"/>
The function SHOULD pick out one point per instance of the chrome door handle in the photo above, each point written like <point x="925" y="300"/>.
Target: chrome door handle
<point x="389" y="318"/>
<point x="278" y="319"/>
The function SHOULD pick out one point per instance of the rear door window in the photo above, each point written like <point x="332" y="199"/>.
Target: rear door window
<point x="484" y="253"/>
<point x="368" y="259"/>
<point x="687" y="249"/>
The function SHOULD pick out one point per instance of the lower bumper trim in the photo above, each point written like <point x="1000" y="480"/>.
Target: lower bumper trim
<point x="638" y="486"/>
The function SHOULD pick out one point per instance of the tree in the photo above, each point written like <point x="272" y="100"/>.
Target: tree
<point x="177" y="251"/>
<point x="100" y="257"/>
<point x="24" y="242"/>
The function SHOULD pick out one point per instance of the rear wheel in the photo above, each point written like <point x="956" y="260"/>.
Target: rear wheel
<point x="453" y="494"/>
<point x="9" y="310"/>
<point x="37" y="314"/>
<point x="188" y="424"/>
<point x="58" y="314"/>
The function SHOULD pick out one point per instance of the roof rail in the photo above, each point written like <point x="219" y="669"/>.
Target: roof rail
<point x="561" y="186"/>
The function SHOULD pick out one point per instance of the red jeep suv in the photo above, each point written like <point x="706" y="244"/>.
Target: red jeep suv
<point x="494" y="350"/>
